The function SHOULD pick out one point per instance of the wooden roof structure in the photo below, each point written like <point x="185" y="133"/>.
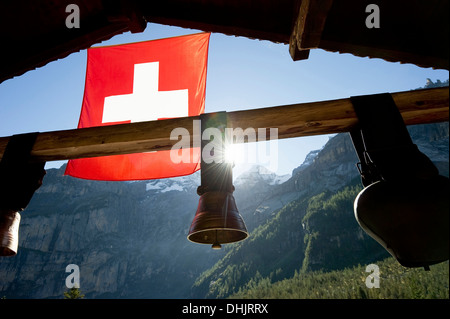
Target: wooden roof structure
<point x="34" y="33"/>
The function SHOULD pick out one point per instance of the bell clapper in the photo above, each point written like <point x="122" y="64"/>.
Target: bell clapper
<point x="216" y="244"/>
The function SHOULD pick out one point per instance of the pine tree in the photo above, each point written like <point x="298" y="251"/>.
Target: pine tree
<point x="73" y="293"/>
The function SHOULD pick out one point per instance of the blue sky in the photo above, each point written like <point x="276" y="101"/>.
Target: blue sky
<point x="242" y="74"/>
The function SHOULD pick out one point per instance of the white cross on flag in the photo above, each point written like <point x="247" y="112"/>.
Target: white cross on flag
<point x="138" y="82"/>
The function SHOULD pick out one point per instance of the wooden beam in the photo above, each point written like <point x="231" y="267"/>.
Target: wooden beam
<point x="307" y="30"/>
<point x="387" y="54"/>
<point x="325" y="117"/>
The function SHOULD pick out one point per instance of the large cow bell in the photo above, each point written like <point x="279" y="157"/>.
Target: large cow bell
<point x="410" y="220"/>
<point x="404" y="205"/>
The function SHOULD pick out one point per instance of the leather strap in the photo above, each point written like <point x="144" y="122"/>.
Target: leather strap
<point x="383" y="144"/>
<point x="19" y="178"/>
<point x="216" y="175"/>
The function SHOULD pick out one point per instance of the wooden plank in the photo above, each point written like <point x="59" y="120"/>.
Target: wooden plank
<point x="325" y="117"/>
<point x="387" y="54"/>
<point x="403" y="35"/>
<point x="309" y="24"/>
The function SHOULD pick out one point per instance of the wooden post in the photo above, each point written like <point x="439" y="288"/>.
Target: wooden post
<point x="307" y="30"/>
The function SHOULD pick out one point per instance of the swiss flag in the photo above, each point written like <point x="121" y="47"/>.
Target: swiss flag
<point x="138" y="82"/>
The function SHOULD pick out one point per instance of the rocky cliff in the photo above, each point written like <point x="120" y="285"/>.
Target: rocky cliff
<point x="316" y="229"/>
<point x="129" y="238"/>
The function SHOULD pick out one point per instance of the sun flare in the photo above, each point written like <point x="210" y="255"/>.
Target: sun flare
<point x="231" y="153"/>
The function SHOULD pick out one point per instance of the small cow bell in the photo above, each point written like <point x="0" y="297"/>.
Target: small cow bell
<point x="9" y="232"/>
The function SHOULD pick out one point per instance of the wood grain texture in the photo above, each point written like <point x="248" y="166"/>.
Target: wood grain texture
<point x="306" y="119"/>
<point x="307" y="30"/>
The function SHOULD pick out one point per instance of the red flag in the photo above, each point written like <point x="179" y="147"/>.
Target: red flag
<point x="138" y="82"/>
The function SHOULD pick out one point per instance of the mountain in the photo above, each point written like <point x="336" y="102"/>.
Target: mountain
<point x="129" y="238"/>
<point x="397" y="282"/>
<point x="187" y="183"/>
<point x="259" y="174"/>
<point x="317" y="230"/>
<point x="309" y="159"/>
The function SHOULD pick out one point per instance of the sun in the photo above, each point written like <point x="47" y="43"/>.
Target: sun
<point x="231" y="153"/>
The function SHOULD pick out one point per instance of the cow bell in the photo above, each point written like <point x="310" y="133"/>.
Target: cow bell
<point x="410" y="220"/>
<point x="217" y="220"/>
<point x="9" y="233"/>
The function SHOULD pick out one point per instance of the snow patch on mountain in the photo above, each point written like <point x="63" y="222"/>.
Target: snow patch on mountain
<point x="180" y="184"/>
<point x="258" y="174"/>
<point x="309" y="159"/>
<point x="189" y="183"/>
